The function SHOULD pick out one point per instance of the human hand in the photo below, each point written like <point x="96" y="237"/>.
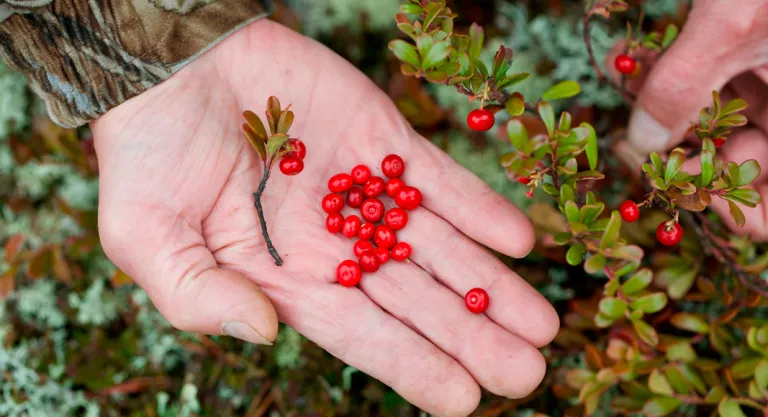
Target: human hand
<point x="176" y="213"/>
<point x="723" y="46"/>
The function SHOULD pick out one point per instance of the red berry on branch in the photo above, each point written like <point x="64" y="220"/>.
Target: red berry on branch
<point x="669" y="235"/>
<point x="625" y="64"/>
<point x="333" y="203"/>
<point x="529" y="194"/>
<point x="291" y="165"/>
<point x="334" y="222"/>
<point x="348" y="273"/>
<point x="481" y="120"/>
<point x="524" y="180"/>
<point x="476" y="300"/>
<point x="629" y="211"/>
<point x="360" y="174"/>
<point x="340" y="183"/>
<point x="384" y="237"/>
<point x="718" y="142"/>
<point x="299" y="148"/>
<point x="393" y="185"/>
<point x="366" y="231"/>
<point x="362" y="246"/>
<point x="408" y="198"/>
<point x="393" y="166"/>
<point x="369" y="262"/>
<point x="382" y="254"/>
<point x="355" y="197"/>
<point x="401" y="251"/>
<point x="372" y="209"/>
<point x="373" y="187"/>
<point x="350" y="226"/>
<point x="396" y="218"/>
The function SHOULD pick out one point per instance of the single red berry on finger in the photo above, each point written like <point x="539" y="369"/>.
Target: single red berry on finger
<point x="362" y="246"/>
<point x="291" y="165"/>
<point x="355" y="197"/>
<point x="481" y="120"/>
<point x="348" y="273"/>
<point x="629" y="211"/>
<point x="718" y="142"/>
<point x="625" y="64"/>
<point x="369" y="262"/>
<point x="384" y="237"/>
<point x="524" y="180"/>
<point x="401" y="251"/>
<point x="350" y="226"/>
<point x="476" y="300"/>
<point x="372" y="209"/>
<point x="669" y="235"/>
<point x="366" y="231"/>
<point x="334" y="222"/>
<point x="393" y="166"/>
<point x="360" y="174"/>
<point x="333" y="203"/>
<point x="373" y="187"/>
<point x="396" y="218"/>
<point x="393" y="185"/>
<point x="340" y="183"/>
<point x="408" y="198"/>
<point x="299" y="148"/>
<point x="382" y="254"/>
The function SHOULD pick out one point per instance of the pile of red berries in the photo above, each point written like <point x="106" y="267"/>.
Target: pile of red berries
<point x="668" y="233"/>
<point x="376" y="231"/>
<point x="293" y="162"/>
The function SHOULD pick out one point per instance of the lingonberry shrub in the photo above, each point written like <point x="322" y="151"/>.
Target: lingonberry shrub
<point x="275" y="146"/>
<point x="641" y="370"/>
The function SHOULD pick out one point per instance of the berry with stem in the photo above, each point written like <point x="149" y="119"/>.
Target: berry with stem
<point x="481" y="120"/>
<point x="625" y="64"/>
<point x="669" y="233"/>
<point x="629" y="211"/>
<point x="477" y="300"/>
<point x="348" y="273"/>
<point x="718" y="142"/>
<point x="291" y="165"/>
<point x="299" y="148"/>
<point x="524" y="180"/>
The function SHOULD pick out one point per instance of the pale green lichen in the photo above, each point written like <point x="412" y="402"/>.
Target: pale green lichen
<point x="320" y="17"/>
<point x="96" y="307"/>
<point x="288" y="348"/>
<point x="36" y="303"/>
<point x="14" y="102"/>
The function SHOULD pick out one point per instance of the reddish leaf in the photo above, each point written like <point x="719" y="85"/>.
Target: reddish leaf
<point x="41" y="263"/>
<point x="13" y="246"/>
<point x="7" y="282"/>
<point x="61" y="270"/>
<point x="120" y="279"/>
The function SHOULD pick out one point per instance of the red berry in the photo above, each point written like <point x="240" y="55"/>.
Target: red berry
<point x="718" y="142"/>
<point x="372" y="209"/>
<point x="524" y="180"/>
<point x="291" y="165"/>
<point x="350" y="226"/>
<point x="625" y="64"/>
<point x="396" y="218"/>
<point x="334" y="222"/>
<point x="476" y="300"/>
<point x="340" y="183"/>
<point x="481" y="120"/>
<point x="373" y="187"/>
<point x="333" y="203"/>
<point x="382" y="254"/>
<point x="408" y="198"/>
<point x="299" y="148"/>
<point x="401" y="251"/>
<point x="362" y="246"/>
<point x="369" y="262"/>
<point x="384" y="237"/>
<point x="393" y="185"/>
<point x="355" y="197"/>
<point x="529" y="194"/>
<point x="360" y="174"/>
<point x="366" y="231"/>
<point x="348" y="273"/>
<point x="629" y="211"/>
<point x="669" y="236"/>
<point x="393" y="166"/>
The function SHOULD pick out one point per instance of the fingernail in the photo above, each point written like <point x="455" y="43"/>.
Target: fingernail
<point x="245" y="332"/>
<point x="646" y="133"/>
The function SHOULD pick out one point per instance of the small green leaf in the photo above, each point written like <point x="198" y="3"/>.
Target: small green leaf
<point x="477" y="37"/>
<point x="707" y="168"/>
<point x="256" y="141"/>
<point x="744" y="368"/>
<point x="512" y="80"/>
<point x="566" y="194"/>
<point x="761" y="375"/>
<point x="669" y="36"/>
<point x="658" y="165"/>
<point x="563" y="238"/>
<point x="612" y="231"/>
<point x="659" y="384"/>
<point x="645" y="332"/>
<point x="502" y="61"/>
<point x="424" y="43"/>
<point x="638" y="282"/>
<point x="405" y="52"/>
<point x="737" y="214"/>
<point x="748" y="171"/>
<point x="590" y="212"/>
<point x="285" y="122"/>
<point x="410" y="8"/>
<point x="256" y="125"/>
<point x="715" y="395"/>
<point x="628" y="252"/>
<point x="437" y="77"/>
<point x="276" y="142"/>
<point x="547" y="114"/>
<point x="591" y="146"/>
<point x="603" y="321"/>
<point x="483" y="71"/>
<point x="612" y="307"/>
<point x="734" y="106"/>
<point x="431" y="10"/>
<point x="730" y="408"/>
<point x="746" y="196"/>
<point x="561" y="90"/>
<point x="572" y="212"/>
<point x="678" y="380"/>
<point x="575" y="254"/>
<point x="437" y="53"/>
<point x="651" y="303"/>
<point x="517" y="133"/>
<point x="273" y="113"/>
<point x="674" y="163"/>
<point x="594" y="264"/>
<point x="690" y="322"/>
<point x="515" y="105"/>
<point x="682" y="352"/>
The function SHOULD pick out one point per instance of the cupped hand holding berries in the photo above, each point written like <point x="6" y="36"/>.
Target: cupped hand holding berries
<point x="722" y="48"/>
<point x="176" y="213"/>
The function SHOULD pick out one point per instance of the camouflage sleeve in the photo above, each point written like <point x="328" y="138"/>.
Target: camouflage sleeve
<point x="84" y="57"/>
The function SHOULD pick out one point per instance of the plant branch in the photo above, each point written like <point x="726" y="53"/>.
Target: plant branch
<point x="587" y="25"/>
<point x="260" y="211"/>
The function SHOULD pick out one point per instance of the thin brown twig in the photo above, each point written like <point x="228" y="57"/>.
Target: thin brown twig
<point x="262" y="220"/>
<point x="587" y="25"/>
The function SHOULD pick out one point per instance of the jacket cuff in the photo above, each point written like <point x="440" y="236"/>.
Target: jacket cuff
<point x="83" y="60"/>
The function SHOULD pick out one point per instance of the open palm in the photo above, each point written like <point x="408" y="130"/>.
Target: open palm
<point x="176" y="213"/>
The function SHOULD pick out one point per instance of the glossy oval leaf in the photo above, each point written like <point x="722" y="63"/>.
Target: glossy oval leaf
<point x="405" y="52"/>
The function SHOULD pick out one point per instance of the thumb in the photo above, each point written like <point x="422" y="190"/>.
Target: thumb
<point x="164" y="254"/>
<point x="714" y="46"/>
